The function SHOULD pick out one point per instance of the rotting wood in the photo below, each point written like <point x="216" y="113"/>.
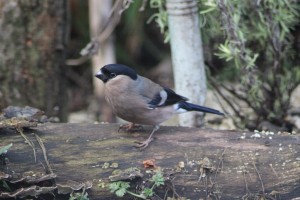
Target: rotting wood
<point x="86" y="152"/>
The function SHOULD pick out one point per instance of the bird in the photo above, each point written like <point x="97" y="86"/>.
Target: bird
<point x="139" y="100"/>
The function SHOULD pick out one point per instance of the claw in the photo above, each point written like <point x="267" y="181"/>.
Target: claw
<point x="144" y="144"/>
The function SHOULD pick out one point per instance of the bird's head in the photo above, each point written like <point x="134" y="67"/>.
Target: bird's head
<point x="110" y="71"/>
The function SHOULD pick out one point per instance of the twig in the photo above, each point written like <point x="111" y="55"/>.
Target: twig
<point x="77" y="61"/>
<point x="206" y="187"/>
<point x="166" y="193"/>
<point x="201" y="176"/>
<point x="103" y="33"/>
<point x="142" y="8"/>
<point x="239" y="96"/>
<point x="220" y="102"/>
<point x="276" y="174"/>
<point x="157" y="197"/>
<point x="262" y="184"/>
<point x="112" y="21"/>
<point x="246" y="184"/>
<point x="173" y="188"/>
<point x="218" y="167"/>
<point x="30" y="143"/>
<point x="245" y="197"/>
<point x="44" y="152"/>
<point x="212" y="81"/>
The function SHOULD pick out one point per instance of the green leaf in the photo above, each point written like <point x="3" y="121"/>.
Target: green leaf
<point x="158" y="179"/>
<point x="124" y="184"/>
<point x="121" y="192"/>
<point x="114" y="186"/>
<point x="210" y="7"/>
<point x="148" y="192"/>
<point x="251" y="61"/>
<point x="119" y="188"/>
<point x="79" y="196"/>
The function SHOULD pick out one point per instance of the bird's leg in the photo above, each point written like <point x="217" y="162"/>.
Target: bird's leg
<point x="130" y="127"/>
<point x="144" y="144"/>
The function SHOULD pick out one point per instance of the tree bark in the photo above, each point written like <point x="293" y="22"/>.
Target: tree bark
<point x="33" y="37"/>
<point x="187" y="56"/>
<point x="217" y="164"/>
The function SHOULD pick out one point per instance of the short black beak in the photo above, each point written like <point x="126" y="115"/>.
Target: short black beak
<point x="101" y="77"/>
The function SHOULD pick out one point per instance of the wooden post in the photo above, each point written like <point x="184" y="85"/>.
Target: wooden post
<point x="187" y="55"/>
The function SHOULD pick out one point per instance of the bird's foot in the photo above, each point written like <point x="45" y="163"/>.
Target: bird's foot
<point x="144" y="144"/>
<point x="131" y="127"/>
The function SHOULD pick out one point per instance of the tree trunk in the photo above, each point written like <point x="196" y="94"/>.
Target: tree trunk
<point x="99" y="13"/>
<point x="200" y="163"/>
<point x="187" y="56"/>
<point x="33" y="37"/>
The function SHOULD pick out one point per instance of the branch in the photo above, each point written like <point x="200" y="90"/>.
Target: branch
<point x="103" y="34"/>
<point x="213" y="83"/>
<point x="262" y="184"/>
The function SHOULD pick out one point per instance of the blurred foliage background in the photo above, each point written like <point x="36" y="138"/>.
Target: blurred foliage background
<point x="251" y="52"/>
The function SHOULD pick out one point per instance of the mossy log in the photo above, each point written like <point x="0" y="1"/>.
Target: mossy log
<point x="200" y="163"/>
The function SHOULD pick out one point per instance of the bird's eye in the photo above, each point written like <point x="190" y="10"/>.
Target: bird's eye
<point x="112" y="75"/>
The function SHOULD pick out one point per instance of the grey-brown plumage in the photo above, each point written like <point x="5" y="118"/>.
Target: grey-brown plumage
<point x="141" y="101"/>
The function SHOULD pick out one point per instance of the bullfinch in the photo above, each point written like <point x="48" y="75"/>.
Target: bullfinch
<point x="139" y="100"/>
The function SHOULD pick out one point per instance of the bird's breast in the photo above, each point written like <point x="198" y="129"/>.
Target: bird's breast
<point x="135" y="109"/>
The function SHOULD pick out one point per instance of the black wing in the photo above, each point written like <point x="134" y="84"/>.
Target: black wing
<point x="166" y="97"/>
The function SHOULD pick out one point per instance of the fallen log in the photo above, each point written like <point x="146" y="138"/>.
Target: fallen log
<point x="195" y="163"/>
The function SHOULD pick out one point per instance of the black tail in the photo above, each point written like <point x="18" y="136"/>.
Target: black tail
<point x="193" y="107"/>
